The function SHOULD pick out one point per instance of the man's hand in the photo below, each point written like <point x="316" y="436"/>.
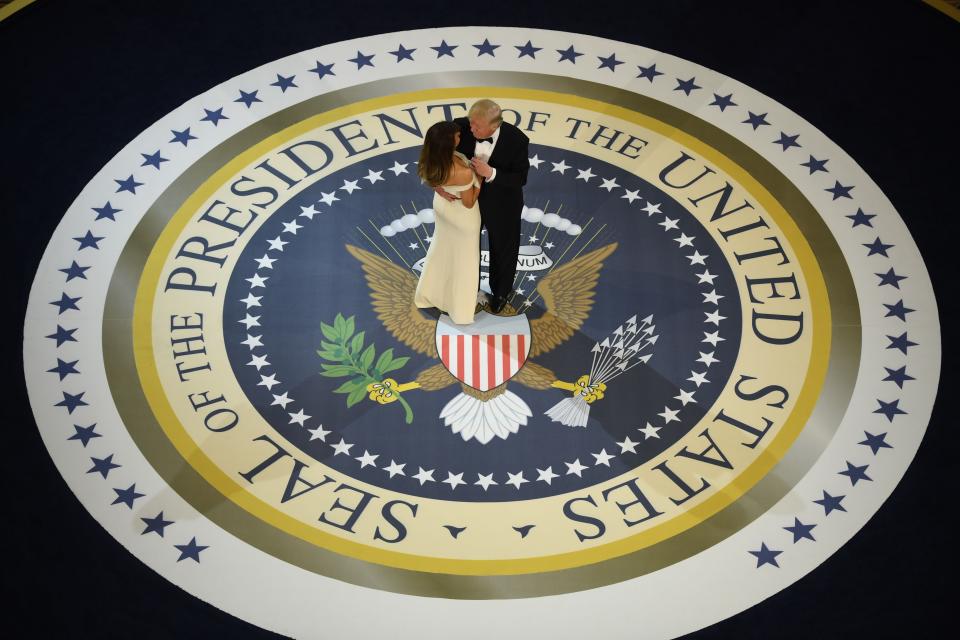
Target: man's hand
<point x="446" y="195"/>
<point x="481" y="167"/>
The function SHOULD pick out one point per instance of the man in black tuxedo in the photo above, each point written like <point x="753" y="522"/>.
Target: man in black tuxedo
<point x="499" y="153"/>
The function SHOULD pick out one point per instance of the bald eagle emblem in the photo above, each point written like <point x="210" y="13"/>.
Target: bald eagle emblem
<point x="483" y="358"/>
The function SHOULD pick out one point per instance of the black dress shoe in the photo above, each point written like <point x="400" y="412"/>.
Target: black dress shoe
<point x="497" y="304"/>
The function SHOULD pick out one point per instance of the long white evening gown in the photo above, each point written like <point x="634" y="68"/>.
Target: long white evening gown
<point x="451" y="271"/>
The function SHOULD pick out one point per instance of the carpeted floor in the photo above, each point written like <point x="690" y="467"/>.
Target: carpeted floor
<point x="81" y="79"/>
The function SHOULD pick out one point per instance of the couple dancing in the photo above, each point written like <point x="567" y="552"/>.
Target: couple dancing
<point x="477" y="167"/>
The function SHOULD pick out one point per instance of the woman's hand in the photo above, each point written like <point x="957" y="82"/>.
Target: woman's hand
<point x="446" y="195"/>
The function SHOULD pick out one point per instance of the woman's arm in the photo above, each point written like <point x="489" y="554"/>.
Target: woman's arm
<point x="468" y="196"/>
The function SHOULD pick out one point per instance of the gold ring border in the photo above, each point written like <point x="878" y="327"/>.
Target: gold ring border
<point x="156" y="396"/>
<point x="601" y="572"/>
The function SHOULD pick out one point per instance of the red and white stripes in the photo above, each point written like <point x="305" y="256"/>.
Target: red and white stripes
<point x="483" y="361"/>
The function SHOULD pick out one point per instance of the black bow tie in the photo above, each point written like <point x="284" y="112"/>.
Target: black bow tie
<point x="490" y="140"/>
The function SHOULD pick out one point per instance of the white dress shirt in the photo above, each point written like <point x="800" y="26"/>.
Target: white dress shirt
<point x="484" y="150"/>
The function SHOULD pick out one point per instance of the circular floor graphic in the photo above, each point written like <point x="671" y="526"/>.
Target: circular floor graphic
<point x="719" y="356"/>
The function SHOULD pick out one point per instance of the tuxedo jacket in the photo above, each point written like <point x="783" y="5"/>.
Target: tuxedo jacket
<point x="501" y="199"/>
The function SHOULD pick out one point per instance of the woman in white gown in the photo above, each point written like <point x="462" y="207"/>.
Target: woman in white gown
<point x="451" y="271"/>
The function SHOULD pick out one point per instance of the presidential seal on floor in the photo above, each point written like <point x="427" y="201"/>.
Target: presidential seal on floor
<point x="718" y="357"/>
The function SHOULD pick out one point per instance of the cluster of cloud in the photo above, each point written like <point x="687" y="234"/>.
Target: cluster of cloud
<point x="409" y="221"/>
<point x="530" y="214"/>
<point x="550" y="220"/>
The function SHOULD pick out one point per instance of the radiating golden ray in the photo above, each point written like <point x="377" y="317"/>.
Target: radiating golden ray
<point x="586" y="245"/>
<point x="390" y="244"/>
<point x="376" y="246"/>
<point x="518" y="278"/>
<point x="414" y="229"/>
<point x="536" y="295"/>
<point x="575" y="238"/>
<point x="544" y="238"/>
<point x="422" y="246"/>
<point x="533" y="297"/>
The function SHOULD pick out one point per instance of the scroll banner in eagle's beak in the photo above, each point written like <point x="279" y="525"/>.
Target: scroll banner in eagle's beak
<point x="531" y="258"/>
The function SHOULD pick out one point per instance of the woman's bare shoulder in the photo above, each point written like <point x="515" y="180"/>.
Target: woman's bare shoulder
<point x="460" y="175"/>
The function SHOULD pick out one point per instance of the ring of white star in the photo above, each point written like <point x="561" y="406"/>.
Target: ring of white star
<point x="668" y="415"/>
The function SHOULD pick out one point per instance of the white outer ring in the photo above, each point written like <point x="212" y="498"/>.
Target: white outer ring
<point x="678" y="599"/>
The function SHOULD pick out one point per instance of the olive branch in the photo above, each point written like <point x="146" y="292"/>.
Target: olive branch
<point x="348" y="357"/>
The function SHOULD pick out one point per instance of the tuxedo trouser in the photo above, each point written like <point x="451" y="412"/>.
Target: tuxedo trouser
<point x="503" y="237"/>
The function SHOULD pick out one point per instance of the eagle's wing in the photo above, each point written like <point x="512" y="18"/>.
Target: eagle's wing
<point x="568" y="295"/>
<point x="391" y="290"/>
<point x="435" y="377"/>
<point x="535" y="376"/>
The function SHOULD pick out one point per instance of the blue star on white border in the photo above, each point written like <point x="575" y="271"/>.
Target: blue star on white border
<point x="110" y="206"/>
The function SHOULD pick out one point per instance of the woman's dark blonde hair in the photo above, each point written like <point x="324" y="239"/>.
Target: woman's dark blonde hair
<point x="436" y="156"/>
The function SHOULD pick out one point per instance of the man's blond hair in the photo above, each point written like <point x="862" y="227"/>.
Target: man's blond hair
<point x="487" y="110"/>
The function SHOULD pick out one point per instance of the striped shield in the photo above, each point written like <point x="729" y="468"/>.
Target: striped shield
<point x="487" y="353"/>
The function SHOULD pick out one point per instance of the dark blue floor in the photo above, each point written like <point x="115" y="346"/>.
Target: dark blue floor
<point x="80" y="79"/>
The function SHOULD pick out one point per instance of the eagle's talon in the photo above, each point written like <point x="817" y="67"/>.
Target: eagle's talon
<point x="583" y="388"/>
<point x="383" y="392"/>
<point x="389" y="390"/>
